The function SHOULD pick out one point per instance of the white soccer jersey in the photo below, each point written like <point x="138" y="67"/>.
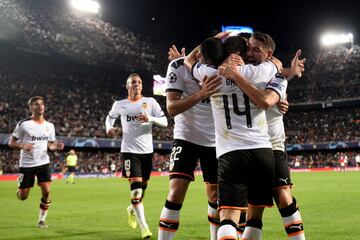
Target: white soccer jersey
<point x="239" y="124"/>
<point x="274" y="118"/>
<point x="29" y="131"/>
<point x="137" y="137"/>
<point x="196" y="124"/>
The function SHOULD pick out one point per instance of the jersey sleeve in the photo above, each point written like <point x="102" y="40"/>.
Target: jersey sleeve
<point x="17" y="131"/>
<point x="199" y="71"/>
<point x="173" y="75"/>
<point x="52" y="137"/>
<point x="156" y="109"/>
<point x="260" y="74"/>
<point x="279" y="85"/>
<point x="114" y="113"/>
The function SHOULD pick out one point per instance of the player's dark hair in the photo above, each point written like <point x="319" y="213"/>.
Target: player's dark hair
<point x="34" y="99"/>
<point x="266" y="39"/>
<point x="236" y="45"/>
<point x="245" y="35"/>
<point x="212" y="51"/>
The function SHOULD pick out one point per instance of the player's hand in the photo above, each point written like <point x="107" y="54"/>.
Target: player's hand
<point x="59" y="146"/>
<point x="210" y="85"/>
<point x="113" y="132"/>
<point x="174" y="53"/>
<point x="227" y="70"/>
<point x="142" y="118"/>
<point x="234" y="59"/>
<point x="297" y="64"/>
<point x="27" y="147"/>
<point x="283" y="106"/>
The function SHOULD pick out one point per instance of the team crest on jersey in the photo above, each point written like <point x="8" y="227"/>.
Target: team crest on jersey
<point x="144" y="105"/>
<point x="47" y="129"/>
<point x="171" y="164"/>
<point x="172" y="77"/>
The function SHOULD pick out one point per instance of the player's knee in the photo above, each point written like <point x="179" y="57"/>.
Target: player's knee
<point x="212" y="194"/>
<point x="136" y="192"/>
<point x="22" y="195"/>
<point x="176" y="195"/>
<point x="282" y="197"/>
<point x="212" y="198"/>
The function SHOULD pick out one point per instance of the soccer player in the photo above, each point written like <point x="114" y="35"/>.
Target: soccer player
<point x="137" y="114"/>
<point x="33" y="136"/>
<point x="194" y="139"/>
<point x="71" y="161"/>
<point x="261" y="48"/>
<point x="242" y="144"/>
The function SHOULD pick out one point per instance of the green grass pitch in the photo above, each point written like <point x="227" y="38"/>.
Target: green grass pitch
<point x="95" y="209"/>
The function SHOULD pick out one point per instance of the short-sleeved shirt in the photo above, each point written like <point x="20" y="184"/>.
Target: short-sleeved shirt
<point x="239" y="123"/>
<point x="196" y="124"/>
<point x="274" y="118"/>
<point x="137" y="137"/>
<point x="31" y="132"/>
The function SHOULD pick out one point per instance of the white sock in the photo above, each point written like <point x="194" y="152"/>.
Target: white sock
<point x="42" y="214"/>
<point x="252" y="233"/>
<point x="226" y="231"/>
<point x="140" y="215"/>
<point x="294" y="224"/>
<point x="169" y="222"/>
<point x="214" y="221"/>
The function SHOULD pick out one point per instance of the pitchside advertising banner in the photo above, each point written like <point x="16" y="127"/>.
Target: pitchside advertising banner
<point x="107" y="143"/>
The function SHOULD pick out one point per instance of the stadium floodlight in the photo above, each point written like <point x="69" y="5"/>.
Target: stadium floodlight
<point x="235" y="30"/>
<point x="335" y="39"/>
<point x="86" y="5"/>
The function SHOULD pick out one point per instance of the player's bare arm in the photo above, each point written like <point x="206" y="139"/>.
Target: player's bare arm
<point x="175" y="104"/>
<point x="114" y="131"/>
<point x="56" y="146"/>
<point x="262" y="98"/>
<point x="18" y="146"/>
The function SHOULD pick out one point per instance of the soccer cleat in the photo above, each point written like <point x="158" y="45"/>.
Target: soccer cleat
<point x="145" y="233"/>
<point x="131" y="217"/>
<point x="42" y="224"/>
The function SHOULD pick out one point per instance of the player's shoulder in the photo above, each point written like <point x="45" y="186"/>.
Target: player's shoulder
<point x="149" y="99"/>
<point x="176" y="63"/>
<point x="25" y="120"/>
<point x="118" y="103"/>
<point x="49" y="123"/>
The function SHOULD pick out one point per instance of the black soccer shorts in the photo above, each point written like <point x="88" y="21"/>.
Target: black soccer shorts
<point x="245" y="176"/>
<point x="184" y="158"/>
<point x="27" y="175"/>
<point x="137" y="165"/>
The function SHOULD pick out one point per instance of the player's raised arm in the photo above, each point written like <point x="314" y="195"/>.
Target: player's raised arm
<point x="297" y="67"/>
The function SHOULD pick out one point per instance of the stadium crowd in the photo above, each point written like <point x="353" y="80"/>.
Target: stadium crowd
<point x="79" y="95"/>
<point x="46" y="27"/>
